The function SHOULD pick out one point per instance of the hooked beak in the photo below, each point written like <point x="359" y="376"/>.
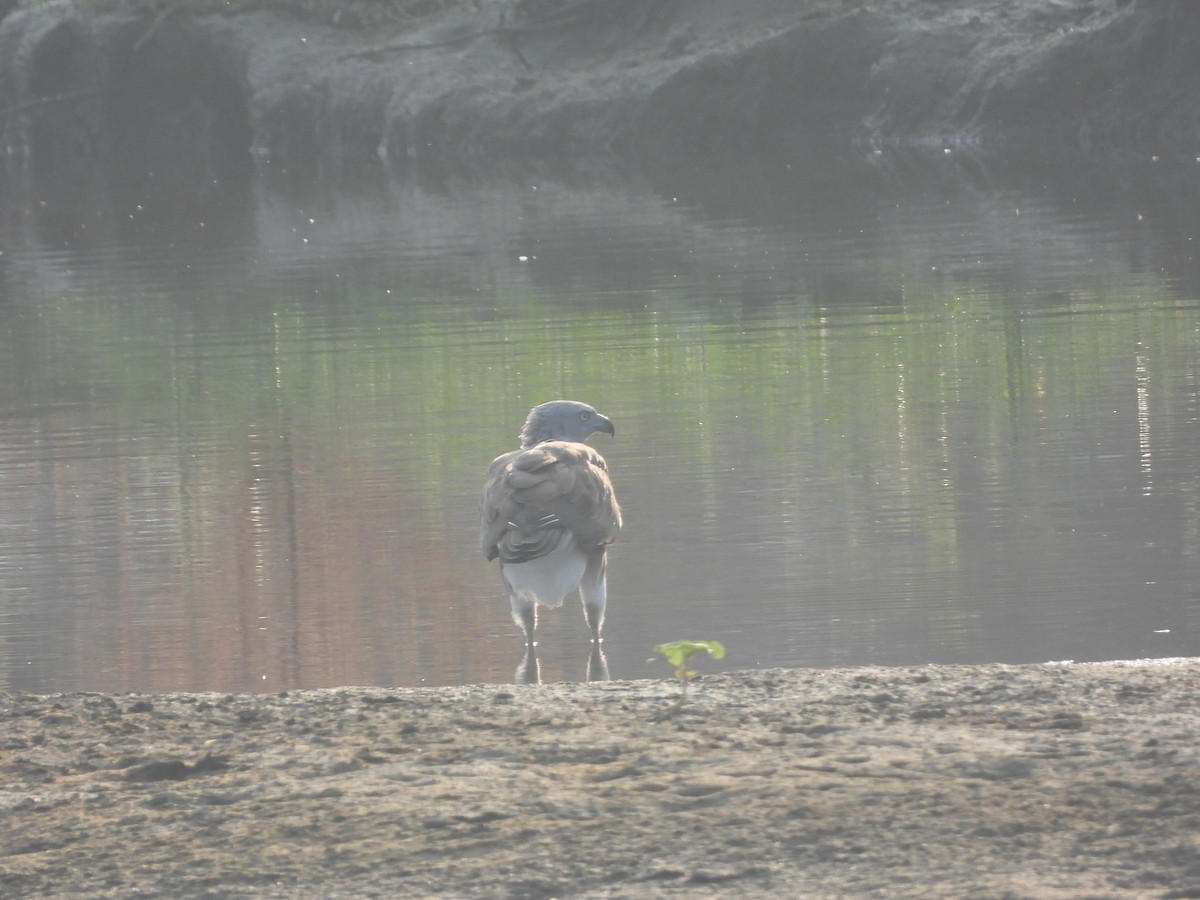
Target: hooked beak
<point x="603" y="423"/>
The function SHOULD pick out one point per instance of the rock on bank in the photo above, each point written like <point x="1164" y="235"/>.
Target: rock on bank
<point x="932" y="782"/>
<point x="587" y="83"/>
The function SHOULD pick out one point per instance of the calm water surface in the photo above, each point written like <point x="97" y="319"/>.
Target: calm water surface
<point x="883" y="415"/>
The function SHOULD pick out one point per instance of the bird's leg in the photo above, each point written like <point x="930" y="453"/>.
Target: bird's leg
<point x="524" y="613"/>
<point x="594" y="614"/>
<point x="593" y="590"/>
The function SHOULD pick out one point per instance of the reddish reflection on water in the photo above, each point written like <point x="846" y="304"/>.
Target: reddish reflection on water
<point x="952" y="425"/>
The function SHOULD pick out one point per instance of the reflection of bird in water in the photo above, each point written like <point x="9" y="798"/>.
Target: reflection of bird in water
<point x="549" y="514"/>
<point x="530" y="669"/>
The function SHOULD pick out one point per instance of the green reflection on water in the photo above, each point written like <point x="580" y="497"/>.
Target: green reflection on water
<point x="863" y="447"/>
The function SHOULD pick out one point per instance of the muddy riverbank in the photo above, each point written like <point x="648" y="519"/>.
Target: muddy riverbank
<point x="580" y="86"/>
<point x="1002" y="781"/>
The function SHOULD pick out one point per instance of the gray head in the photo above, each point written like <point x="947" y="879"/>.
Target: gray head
<point x="563" y="420"/>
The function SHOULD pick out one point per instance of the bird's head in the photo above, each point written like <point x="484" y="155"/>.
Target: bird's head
<point x="563" y="420"/>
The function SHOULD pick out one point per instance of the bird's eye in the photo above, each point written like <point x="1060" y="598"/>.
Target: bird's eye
<point x="585" y="415"/>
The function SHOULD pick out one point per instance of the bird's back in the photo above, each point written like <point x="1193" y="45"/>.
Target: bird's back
<point x="534" y="496"/>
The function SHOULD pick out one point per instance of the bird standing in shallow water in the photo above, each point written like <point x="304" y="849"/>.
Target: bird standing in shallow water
<point x="549" y="513"/>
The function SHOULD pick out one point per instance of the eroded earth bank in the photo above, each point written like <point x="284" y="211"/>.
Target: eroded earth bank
<point x="584" y="85"/>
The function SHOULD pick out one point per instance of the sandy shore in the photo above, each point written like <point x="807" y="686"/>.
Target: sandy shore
<point x="997" y="781"/>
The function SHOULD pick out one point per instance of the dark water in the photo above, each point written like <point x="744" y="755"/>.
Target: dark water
<point x="888" y="414"/>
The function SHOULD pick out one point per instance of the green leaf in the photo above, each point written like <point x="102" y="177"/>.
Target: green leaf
<point x="677" y="653"/>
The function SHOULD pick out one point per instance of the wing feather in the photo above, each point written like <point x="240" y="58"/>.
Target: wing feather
<point x="531" y="497"/>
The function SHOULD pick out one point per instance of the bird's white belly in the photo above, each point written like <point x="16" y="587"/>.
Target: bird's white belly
<point x="548" y="579"/>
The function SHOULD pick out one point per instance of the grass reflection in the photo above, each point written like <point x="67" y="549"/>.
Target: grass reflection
<point x="278" y="489"/>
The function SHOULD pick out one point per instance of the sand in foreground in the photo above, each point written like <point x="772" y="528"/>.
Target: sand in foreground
<point x="1018" y="781"/>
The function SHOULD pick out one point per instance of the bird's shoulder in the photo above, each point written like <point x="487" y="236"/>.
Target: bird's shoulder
<point x="547" y="454"/>
<point x="548" y="470"/>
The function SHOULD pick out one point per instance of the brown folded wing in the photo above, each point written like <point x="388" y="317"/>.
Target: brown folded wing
<point x="532" y="496"/>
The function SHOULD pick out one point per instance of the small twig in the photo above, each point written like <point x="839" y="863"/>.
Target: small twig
<point x="378" y="52"/>
<point x="562" y="17"/>
<point x="158" y="20"/>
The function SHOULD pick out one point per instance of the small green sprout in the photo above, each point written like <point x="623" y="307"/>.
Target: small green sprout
<point x="677" y="654"/>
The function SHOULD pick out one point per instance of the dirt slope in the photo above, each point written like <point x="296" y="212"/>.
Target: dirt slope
<point x="581" y="84"/>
